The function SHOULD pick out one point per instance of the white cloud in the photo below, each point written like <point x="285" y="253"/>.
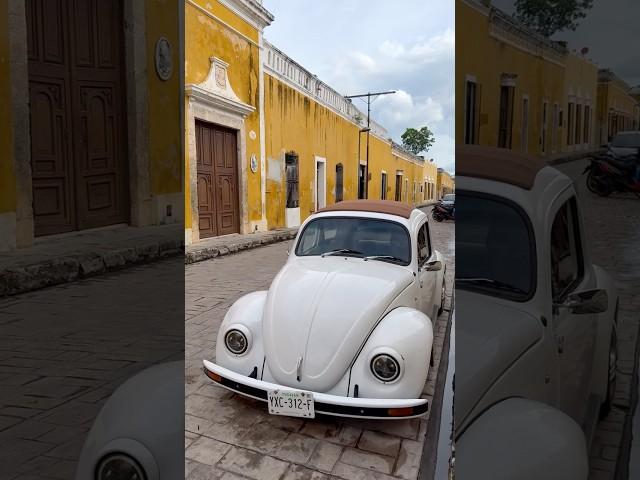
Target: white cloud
<point x="359" y="55"/>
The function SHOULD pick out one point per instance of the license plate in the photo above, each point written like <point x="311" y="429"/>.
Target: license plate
<point x="293" y="403"/>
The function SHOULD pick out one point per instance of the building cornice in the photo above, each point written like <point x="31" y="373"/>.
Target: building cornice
<point x="507" y="29"/>
<point x="279" y="65"/>
<point x="250" y="11"/>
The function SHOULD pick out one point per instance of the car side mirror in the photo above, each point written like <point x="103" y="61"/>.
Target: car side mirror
<point x="588" y="301"/>
<point x="434" y="266"/>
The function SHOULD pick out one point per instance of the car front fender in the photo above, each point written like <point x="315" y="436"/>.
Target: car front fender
<point x="245" y="313"/>
<point x="407" y="335"/>
<point x="523" y="439"/>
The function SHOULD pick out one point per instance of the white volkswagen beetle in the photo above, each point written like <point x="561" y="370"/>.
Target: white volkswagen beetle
<point x="346" y="326"/>
<point x="535" y="326"/>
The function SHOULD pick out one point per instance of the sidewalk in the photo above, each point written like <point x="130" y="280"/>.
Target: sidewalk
<point x="65" y="258"/>
<point x="219" y="246"/>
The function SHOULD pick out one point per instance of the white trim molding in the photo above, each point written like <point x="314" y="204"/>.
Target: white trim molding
<point x="214" y="101"/>
<point x="216" y="91"/>
<point x="250" y="11"/>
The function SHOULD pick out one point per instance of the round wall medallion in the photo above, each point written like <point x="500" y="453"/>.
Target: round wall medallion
<point x="163" y="58"/>
<point x="252" y="135"/>
<point x="254" y="164"/>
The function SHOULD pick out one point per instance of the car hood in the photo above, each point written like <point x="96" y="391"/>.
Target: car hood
<point x="490" y="336"/>
<point x="319" y="311"/>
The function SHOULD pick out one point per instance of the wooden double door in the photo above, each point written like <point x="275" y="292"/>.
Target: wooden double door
<point x="77" y="114"/>
<point x="217" y="166"/>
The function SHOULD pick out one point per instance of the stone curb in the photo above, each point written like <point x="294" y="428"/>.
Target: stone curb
<point x="430" y="448"/>
<point x="47" y="273"/>
<point x="236" y="245"/>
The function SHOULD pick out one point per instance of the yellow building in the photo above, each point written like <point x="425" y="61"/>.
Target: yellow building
<point x="268" y="143"/>
<point x="523" y="92"/>
<point x="445" y="183"/>
<point x="618" y="106"/>
<point x="85" y="140"/>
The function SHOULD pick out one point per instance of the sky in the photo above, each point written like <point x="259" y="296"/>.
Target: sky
<point x="611" y="32"/>
<point x="360" y="46"/>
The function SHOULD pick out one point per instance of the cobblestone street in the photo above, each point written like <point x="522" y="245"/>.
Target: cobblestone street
<point x="65" y="349"/>
<point x="613" y="228"/>
<point x="231" y="437"/>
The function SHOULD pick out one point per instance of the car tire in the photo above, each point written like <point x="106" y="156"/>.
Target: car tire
<point x="605" y="408"/>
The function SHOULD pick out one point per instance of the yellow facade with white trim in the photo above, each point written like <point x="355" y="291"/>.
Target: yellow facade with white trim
<point x="294" y="112"/>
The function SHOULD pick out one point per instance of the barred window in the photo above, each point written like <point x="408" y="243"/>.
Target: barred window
<point x="339" y="183"/>
<point x="291" y="172"/>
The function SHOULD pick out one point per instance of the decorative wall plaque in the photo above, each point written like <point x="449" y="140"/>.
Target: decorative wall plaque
<point x="163" y="59"/>
<point x="254" y="164"/>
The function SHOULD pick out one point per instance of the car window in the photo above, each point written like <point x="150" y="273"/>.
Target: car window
<point x="566" y="254"/>
<point x="424" y="244"/>
<point x="361" y="236"/>
<point x="495" y="247"/>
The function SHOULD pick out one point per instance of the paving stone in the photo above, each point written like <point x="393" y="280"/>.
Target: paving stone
<point x="350" y="472"/>
<point x="297" y="472"/>
<point x="253" y="465"/>
<point x="207" y="450"/>
<point x="297" y="448"/>
<point x="379" y="443"/>
<point x="408" y="462"/>
<point x="325" y="456"/>
<point x="367" y="460"/>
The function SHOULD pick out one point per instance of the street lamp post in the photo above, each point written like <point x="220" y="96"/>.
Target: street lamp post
<point x="367" y="129"/>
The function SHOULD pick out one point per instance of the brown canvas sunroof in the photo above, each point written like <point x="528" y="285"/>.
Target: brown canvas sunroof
<point x="378" y="206"/>
<point x="498" y="164"/>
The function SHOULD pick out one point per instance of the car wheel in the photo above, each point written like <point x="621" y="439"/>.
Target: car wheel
<point x="605" y="408"/>
<point x="443" y="297"/>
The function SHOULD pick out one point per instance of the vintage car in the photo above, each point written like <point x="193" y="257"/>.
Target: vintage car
<point x="139" y="432"/>
<point x="346" y="327"/>
<point x="536" y="343"/>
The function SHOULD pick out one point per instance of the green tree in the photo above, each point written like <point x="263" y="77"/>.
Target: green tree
<point x="550" y="16"/>
<point x="417" y="141"/>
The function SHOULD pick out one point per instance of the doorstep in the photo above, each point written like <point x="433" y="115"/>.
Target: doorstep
<point x="213" y="247"/>
<point x="57" y="259"/>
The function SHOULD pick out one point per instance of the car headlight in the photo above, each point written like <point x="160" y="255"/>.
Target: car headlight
<point x="236" y="342"/>
<point x="385" y="367"/>
<point x="119" y="467"/>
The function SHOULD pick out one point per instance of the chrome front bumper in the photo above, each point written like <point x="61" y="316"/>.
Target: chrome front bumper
<point x="373" y="408"/>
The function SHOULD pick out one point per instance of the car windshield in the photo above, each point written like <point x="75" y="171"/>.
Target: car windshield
<point x="355" y="236"/>
<point x="626" y="140"/>
<point x="449" y="198"/>
<point x="495" y="251"/>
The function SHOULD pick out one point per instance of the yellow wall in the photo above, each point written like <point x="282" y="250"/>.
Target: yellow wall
<point x="614" y="100"/>
<point x="550" y="78"/>
<point x="206" y="36"/>
<point x="7" y="175"/>
<point x="165" y="163"/>
<point x="294" y="122"/>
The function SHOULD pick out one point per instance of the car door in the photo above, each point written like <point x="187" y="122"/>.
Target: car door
<point x="426" y="279"/>
<point x="574" y="334"/>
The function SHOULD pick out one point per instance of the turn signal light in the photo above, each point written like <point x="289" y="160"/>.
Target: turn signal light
<point x="400" y="412"/>
<point x="213" y="376"/>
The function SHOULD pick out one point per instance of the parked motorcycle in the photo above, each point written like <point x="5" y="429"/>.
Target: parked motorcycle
<point x="440" y="213"/>
<point x="608" y="174"/>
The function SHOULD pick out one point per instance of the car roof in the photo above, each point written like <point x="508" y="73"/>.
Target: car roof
<point x="498" y="164"/>
<point x="629" y="132"/>
<point x="388" y="207"/>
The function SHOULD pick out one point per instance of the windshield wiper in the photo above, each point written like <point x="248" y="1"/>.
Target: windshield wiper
<point x="383" y="258"/>
<point x="497" y="284"/>
<point x="341" y="251"/>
